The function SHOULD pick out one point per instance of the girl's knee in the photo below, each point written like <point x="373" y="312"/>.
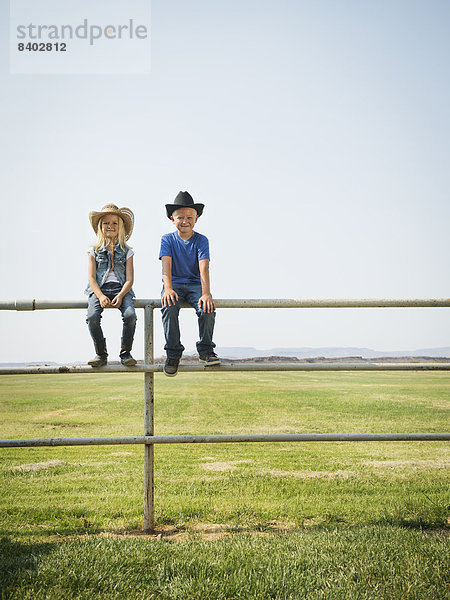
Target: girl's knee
<point x="93" y="320"/>
<point x="129" y="316"/>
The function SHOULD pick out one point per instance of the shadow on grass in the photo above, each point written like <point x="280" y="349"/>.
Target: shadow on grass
<point x="18" y="563"/>
<point x="185" y="529"/>
<point x="415" y="523"/>
<point x="340" y="563"/>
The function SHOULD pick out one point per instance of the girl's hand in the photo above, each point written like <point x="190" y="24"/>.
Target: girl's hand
<point x="117" y="301"/>
<point x="104" y="301"/>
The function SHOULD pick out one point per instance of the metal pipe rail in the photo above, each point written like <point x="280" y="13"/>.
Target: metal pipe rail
<point x="227" y="439"/>
<point x="149" y="369"/>
<point x="238" y="367"/>
<point x="33" y="304"/>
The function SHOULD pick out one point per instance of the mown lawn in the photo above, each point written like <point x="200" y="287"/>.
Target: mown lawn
<point x="374" y="562"/>
<point x="299" y="520"/>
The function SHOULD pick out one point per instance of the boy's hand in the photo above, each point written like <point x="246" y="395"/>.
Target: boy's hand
<point x="117" y="301"/>
<point x="104" y="301"/>
<point x="169" y="297"/>
<point x="207" y="303"/>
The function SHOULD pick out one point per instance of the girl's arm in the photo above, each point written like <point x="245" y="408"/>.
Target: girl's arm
<point x="92" y="278"/>
<point x="206" y="298"/>
<point x="129" y="275"/>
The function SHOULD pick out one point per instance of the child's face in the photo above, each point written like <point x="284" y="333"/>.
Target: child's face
<point x="110" y="226"/>
<point x="184" y="220"/>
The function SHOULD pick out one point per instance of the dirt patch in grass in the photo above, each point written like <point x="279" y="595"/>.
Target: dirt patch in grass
<point x="122" y="454"/>
<point x="39" y="466"/>
<point x="217" y="531"/>
<point x="63" y="412"/>
<point x="52" y="426"/>
<point x="311" y="474"/>
<point x="208" y="531"/>
<point x="224" y="466"/>
<point x="286" y="429"/>
<point x="442" y="463"/>
<point x="72" y="411"/>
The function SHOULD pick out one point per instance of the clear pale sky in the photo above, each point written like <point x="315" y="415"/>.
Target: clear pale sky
<point x="316" y="133"/>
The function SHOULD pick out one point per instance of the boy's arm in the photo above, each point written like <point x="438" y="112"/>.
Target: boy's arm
<point x="206" y="302"/>
<point x="129" y="279"/>
<point x="92" y="278"/>
<point x="169" y="295"/>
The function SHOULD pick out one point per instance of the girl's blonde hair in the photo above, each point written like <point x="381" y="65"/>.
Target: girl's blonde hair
<point x="103" y="241"/>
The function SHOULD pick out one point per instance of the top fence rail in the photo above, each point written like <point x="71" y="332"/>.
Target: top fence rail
<point x="34" y="304"/>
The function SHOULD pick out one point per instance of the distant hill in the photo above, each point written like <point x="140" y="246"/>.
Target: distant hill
<point x="328" y="352"/>
<point x="193" y="359"/>
<point x="30" y="363"/>
<point x="334" y="354"/>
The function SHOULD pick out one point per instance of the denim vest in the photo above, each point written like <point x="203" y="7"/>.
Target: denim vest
<point x="103" y="260"/>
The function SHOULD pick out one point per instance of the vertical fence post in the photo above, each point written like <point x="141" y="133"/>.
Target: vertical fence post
<point x="149" y="510"/>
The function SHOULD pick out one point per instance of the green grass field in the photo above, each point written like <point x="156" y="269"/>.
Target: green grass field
<point x="280" y="520"/>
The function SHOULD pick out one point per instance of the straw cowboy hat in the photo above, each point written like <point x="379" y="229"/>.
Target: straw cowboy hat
<point x="125" y="214"/>
<point x="184" y="200"/>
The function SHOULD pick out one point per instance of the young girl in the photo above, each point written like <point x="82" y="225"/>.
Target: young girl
<point x="110" y="274"/>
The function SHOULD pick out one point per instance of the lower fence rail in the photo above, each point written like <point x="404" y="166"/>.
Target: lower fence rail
<point x="226" y="439"/>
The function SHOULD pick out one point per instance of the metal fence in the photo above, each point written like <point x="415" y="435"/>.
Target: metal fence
<point x="149" y="368"/>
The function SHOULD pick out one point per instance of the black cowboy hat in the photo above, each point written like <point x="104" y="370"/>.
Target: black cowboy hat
<point x="184" y="200"/>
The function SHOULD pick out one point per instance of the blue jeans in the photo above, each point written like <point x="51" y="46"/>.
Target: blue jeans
<point x="190" y="293"/>
<point x="94" y="314"/>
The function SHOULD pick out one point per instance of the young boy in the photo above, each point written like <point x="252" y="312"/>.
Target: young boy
<point x="185" y="273"/>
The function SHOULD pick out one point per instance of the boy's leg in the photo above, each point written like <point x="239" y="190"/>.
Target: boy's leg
<point x="173" y="347"/>
<point x="205" y="345"/>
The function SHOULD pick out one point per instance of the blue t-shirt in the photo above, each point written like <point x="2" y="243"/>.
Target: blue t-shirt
<point x="185" y="255"/>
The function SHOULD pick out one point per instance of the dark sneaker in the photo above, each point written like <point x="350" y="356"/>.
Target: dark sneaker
<point x="98" y="361"/>
<point x="209" y="359"/>
<point x="171" y="367"/>
<point x="127" y="360"/>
